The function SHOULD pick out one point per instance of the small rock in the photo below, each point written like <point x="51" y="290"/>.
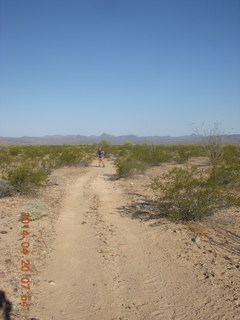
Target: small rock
<point x="39" y="239"/>
<point x="52" y="282"/>
<point x="83" y="222"/>
<point x="156" y="313"/>
<point x="3" y="232"/>
<point x="196" y="239"/>
<point x="208" y="274"/>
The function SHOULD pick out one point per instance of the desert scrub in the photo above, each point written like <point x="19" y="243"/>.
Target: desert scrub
<point x="26" y="177"/>
<point x="212" y="142"/>
<point x="136" y="158"/>
<point x="69" y="157"/>
<point x="5" y="157"/>
<point x="60" y="156"/>
<point x="6" y="189"/>
<point x="128" y="167"/>
<point x="231" y="155"/>
<point x="226" y="176"/>
<point x="189" y="194"/>
<point x="226" y="173"/>
<point x="28" y="167"/>
<point x="52" y="156"/>
<point x="185" y="152"/>
<point x="72" y="157"/>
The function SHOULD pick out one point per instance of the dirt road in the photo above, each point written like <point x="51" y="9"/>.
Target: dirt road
<point x="105" y="266"/>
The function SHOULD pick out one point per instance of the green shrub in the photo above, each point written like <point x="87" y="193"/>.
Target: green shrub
<point x="231" y="155"/>
<point x="128" y="144"/>
<point x="135" y="158"/>
<point x="189" y="194"/>
<point x="70" y="155"/>
<point x="228" y="177"/>
<point x="26" y="176"/>
<point x="28" y="167"/>
<point x="5" y="157"/>
<point x="126" y="168"/>
<point x="184" y="152"/>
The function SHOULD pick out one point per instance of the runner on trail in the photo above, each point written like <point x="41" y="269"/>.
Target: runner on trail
<point x="101" y="156"/>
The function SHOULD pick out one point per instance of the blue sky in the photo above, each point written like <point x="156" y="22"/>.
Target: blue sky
<point x="146" y="67"/>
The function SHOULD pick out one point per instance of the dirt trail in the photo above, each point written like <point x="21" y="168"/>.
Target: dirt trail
<point x="106" y="267"/>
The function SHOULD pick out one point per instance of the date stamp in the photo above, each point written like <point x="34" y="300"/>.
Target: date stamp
<point x="25" y="262"/>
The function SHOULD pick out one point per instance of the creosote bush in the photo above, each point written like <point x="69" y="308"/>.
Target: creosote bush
<point x="130" y="167"/>
<point x="26" y="168"/>
<point x="26" y="177"/>
<point x="191" y="194"/>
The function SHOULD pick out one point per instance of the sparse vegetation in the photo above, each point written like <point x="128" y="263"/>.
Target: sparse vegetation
<point x="25" y="168"/>
<point x="137" y="158"/>
<point x="212" y="142"/>
<point x="128" y="168"/>
<point x="26" y="177"/>
<point x="191" y="194"/>
<point x="6" y="189"/>
<point x="185" y="193"/>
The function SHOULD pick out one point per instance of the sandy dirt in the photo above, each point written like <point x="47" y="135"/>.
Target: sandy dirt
<point x="108" y="258"/>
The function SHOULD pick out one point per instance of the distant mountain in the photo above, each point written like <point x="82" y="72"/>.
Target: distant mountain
<point x="79" y="139"/>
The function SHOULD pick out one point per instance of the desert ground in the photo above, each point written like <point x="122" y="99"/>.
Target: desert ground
<point x="98" y="251"/>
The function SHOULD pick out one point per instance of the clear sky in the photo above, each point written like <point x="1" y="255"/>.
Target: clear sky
<point x="144" y="67"/>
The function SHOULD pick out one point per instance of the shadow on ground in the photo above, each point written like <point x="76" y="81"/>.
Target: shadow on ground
<point x="5" y="306"/>
<point x="143" y="209"/>
<point x="215" y="232"/>
<point x="222" y="237"/>
<point x="111" y="177"/>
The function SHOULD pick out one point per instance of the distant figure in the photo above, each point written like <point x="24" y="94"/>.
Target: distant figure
<point x="101" y="156"/>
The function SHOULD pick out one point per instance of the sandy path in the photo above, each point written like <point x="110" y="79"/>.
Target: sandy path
<point x="108" y="267"/>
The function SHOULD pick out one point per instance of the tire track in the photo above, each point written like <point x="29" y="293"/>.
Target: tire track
<point x="106" y="266"/>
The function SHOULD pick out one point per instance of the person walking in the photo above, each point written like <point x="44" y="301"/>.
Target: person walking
<point x="101" y="156"/>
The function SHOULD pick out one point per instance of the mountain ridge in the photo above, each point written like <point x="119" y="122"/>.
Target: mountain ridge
<point x="82" y="139"/>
